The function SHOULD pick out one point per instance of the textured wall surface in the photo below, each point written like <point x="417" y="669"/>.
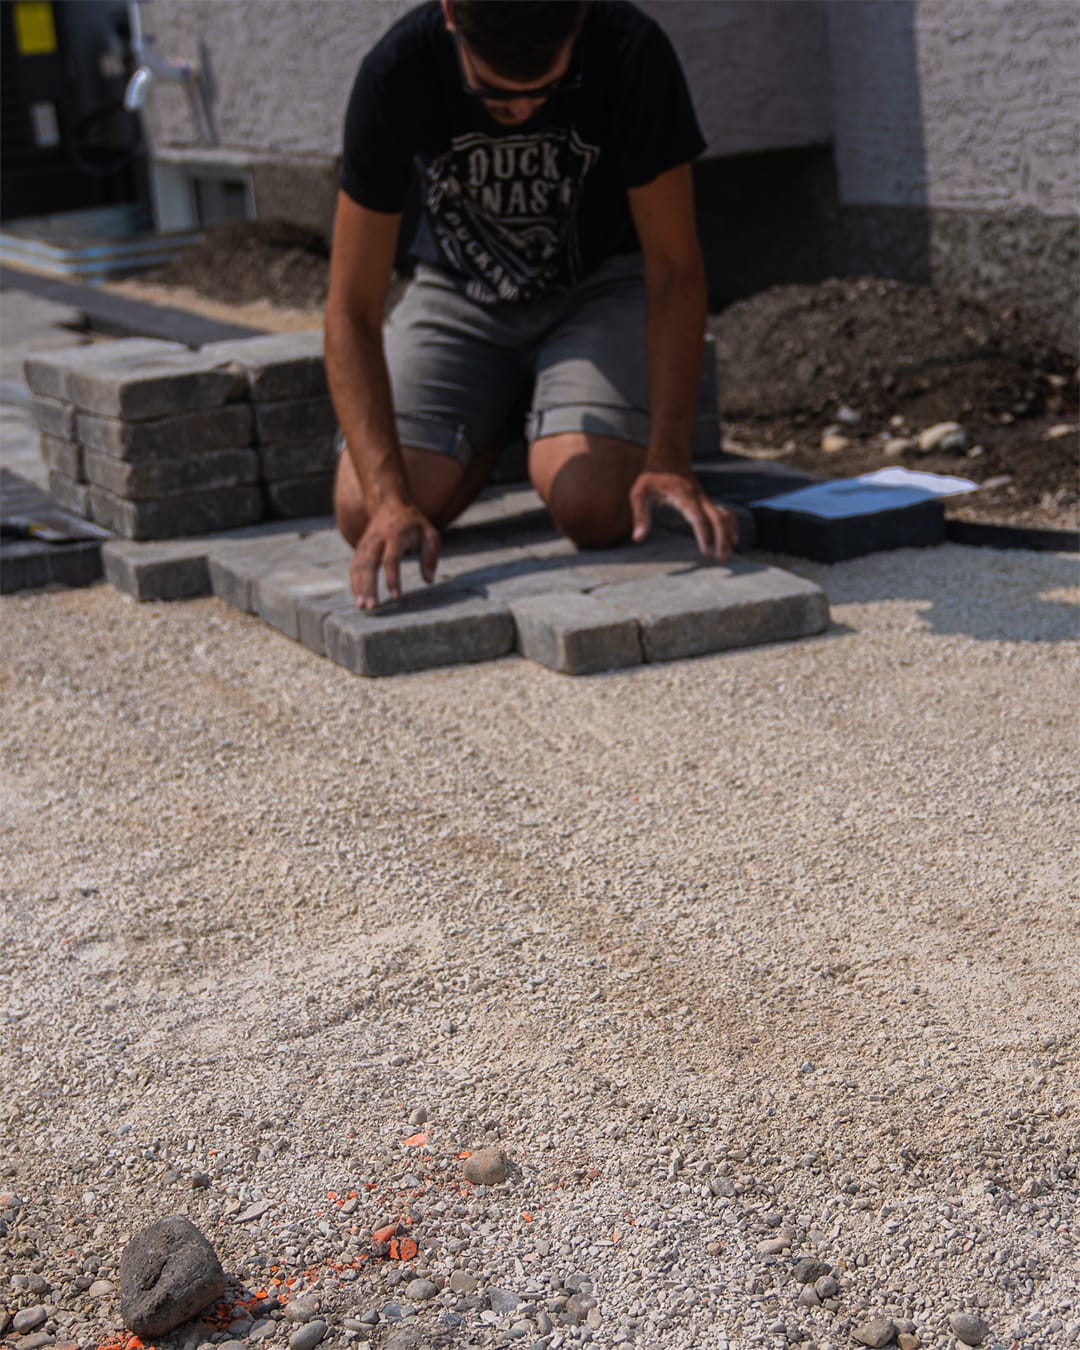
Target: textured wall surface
<point x="958" y="104"/>
<point x="280" y="70"/>
<point x="758" y="70"/>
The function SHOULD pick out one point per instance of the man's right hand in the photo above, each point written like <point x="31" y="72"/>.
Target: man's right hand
<point x="394" y="529"/>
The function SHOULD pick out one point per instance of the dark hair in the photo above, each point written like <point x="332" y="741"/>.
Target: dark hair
<point x="518" y="39"/>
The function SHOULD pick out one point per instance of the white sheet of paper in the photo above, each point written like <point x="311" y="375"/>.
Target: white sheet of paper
<point x="882" y="490"/>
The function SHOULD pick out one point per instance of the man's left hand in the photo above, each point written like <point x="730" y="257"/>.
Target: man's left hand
<point x="715" y="527"/>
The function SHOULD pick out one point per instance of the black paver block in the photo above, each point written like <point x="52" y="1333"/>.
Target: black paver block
<point x="309" y="496"/>
<point x="184" y="433"/>
<point x="302" y="419"/>
<point x="830" y="541"/>
<point x="168" y="517"/>
<point x="438" y="627"/>
<point x="299" y="459"/>
<point x="172" y="475"/>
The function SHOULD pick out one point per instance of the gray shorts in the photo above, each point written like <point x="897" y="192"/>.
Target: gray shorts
<point x="469" y="378"/>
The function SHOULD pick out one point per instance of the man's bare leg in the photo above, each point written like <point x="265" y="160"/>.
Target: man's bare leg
<point x="440" y="486"/>
<point x="585" y="483"/>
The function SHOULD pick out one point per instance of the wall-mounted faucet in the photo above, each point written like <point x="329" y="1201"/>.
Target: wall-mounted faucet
<point x="153" y="67"/>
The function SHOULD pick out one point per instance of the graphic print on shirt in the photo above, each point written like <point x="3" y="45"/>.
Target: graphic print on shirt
<point x="504" y="210"/>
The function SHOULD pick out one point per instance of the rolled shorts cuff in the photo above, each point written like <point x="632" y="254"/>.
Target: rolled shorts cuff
<point x="592" y="419"/>
<point x="418" y="433"/>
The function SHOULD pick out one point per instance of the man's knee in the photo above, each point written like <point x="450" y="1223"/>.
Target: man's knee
<point x="585" y="483"/>
<point x="433" y="481"/>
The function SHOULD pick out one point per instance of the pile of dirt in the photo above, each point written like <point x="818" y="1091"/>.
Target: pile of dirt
<point x="865" y="364"/>
<point x="883" y="359"/>
<point x="245" y="261"/>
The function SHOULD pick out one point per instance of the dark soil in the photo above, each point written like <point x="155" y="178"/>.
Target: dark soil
<point x="901" y="357"/>
<point x="904" y="358"/>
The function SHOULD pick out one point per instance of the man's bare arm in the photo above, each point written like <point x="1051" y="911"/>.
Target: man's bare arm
<point x="663" y="212"/>
<point x="360" y="268"/>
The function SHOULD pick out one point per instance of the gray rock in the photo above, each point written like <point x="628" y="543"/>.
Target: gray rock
<point x="808" y="1270"/>
<point x="301" y="1310"/>
<point x="968" y="1328"/>
<point x="36" y="1340"/>
<point x="168" y="1273"/>
<point x="308" y="1336"/>
<point x="826" y="1287"/>
<point x="101" y="1288"/>
<point x="503" y="1301"/>
<point x="26" y="1319"/>
<point x="463" y="1282"/>
<point x="580" y="1305"/>
<point x="486" y="1167"/>
<point x="879" y="1331"/>
<point x="419" y="1291"/>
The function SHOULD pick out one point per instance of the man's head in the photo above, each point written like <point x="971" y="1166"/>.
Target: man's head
<point x="514" y="53"/>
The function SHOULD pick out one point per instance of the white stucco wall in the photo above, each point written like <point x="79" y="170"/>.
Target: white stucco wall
<point x="280" y="71"/>
<point x="958" y="104"/>
<point x="758" y="70"/>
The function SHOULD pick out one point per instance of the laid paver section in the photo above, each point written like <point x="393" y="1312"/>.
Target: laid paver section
<point x="574" y="612"/>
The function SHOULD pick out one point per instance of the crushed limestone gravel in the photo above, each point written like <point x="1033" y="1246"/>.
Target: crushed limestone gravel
<point x="760" y="970"/>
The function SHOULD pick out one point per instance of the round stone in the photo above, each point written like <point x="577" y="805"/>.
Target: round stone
<point x="419" y="1291"/>
<point x="968" y="1328"/>
<point x="485" y="1167"/>
<point x="308" y="1336"/>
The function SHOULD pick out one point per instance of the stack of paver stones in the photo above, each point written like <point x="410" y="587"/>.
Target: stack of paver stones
<point x="154" y="441"/>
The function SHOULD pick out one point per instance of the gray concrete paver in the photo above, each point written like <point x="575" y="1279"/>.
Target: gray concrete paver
<point x="575" y="634"/>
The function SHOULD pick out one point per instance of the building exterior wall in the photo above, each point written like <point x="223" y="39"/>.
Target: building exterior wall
<point x="279" y="72"/>
<point x="957" y="146"/>
<point x="954" y="125"/>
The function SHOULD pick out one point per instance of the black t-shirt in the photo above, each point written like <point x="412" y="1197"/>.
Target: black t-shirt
<point x="514" y="212"/>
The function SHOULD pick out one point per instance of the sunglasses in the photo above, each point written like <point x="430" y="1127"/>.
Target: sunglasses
<point x="565" y="84"/>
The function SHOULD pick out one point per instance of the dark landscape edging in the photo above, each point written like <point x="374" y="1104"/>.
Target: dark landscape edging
<point x="983" y="534"/>
<point x="121" y="316"/>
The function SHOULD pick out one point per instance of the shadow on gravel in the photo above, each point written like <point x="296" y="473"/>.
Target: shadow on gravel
<point x="986" y="594"/>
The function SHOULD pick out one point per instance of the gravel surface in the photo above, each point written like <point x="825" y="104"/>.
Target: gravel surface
<point x="754" y="976"/>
